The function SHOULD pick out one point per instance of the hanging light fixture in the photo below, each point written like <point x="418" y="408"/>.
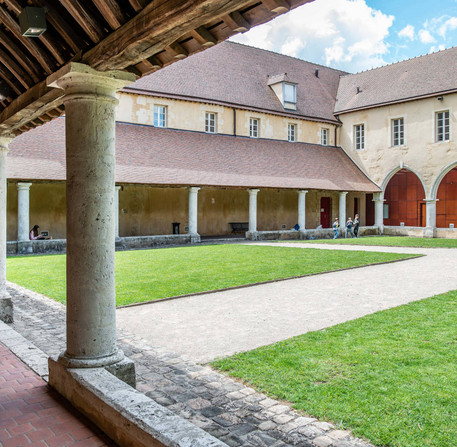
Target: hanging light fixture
<point x="32" y="21"/>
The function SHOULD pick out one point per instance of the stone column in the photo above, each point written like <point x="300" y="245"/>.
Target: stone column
<point x="90" y="101"/>
<point x="23" y="220"/>
<point x="302" y="209"/>
<point x="430" y="218"/>
<point x="252" y="213"/>
<point x="379" y="211"/>
<point x="342" y="210"/>
<point x="116" y="211"/>
<point x="6" y="305"/>
<point x="193" y="213"/>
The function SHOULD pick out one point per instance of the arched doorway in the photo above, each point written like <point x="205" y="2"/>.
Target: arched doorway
<point x="404" y="200"/>
<point x="446" y="207"/>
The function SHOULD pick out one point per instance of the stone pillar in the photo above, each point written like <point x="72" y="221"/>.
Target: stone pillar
<point x="252" y="232"/>
<point x="430" y="229"/>
<point x="116" y="211"/>
<point x="342" y="210"/>
<point x="90" y="101"/>
<point x="23" y="220"/>
<point x="6" y="305"/>
<point x="379" y="211"/>
<point x="193" y="213"/>
<point x="302" y="209"/>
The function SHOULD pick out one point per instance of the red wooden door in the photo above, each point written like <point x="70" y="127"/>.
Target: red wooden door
<point x="369" y="210"/>
<point x="325" y="212"/>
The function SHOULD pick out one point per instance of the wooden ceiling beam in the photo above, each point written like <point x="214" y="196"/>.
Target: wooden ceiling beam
<point x="236" y="22"/>
<point x="137" y="5"/>
<point x="177" y="50"/>
<point x="84" y="19"/>
<point x="10" y="23"/>
<point x="6" y="78"/>
<point x="17" y="71"/>
<point x="277" y="6"/>
<point x="111" y="12"/>
<point x="203" y="37"/>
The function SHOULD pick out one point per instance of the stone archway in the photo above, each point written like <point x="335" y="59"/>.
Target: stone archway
<point x="404" y="197"/>
<point x="446" y="206"/>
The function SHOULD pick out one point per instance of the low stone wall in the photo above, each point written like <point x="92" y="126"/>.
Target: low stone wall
<point x="36" y="247"/>
<point x="404" y="231"/>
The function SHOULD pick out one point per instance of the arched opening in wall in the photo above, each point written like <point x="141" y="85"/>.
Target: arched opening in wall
<point x="404" y="200"/>
<point x="446" y="207"/>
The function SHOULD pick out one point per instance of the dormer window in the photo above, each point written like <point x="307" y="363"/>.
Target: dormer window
<point x="285" y="90"/>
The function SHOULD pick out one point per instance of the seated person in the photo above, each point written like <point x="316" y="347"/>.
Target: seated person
<point x="34" y="234"/>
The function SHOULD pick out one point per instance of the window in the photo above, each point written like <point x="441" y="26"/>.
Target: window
<point x="254" y="128"/>
<point x="442" y="126"/>
<point x="324" y="137"/>
<point x="292" y="132"/>
<point x="160" y="116"/>
<point x="290" y="96"/>
<point x="398" y="132"/>
<point x="359" y="136"/>
<point x="210" y="122"/>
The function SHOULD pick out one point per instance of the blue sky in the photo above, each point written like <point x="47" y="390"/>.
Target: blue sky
<point x="356" y="35"/>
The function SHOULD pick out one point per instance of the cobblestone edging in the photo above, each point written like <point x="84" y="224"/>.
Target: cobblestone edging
<point x="228" y="410"/>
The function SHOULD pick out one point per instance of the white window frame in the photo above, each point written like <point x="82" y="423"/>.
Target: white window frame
<point x="210" y="122"/>
<point x="359" y="137"/>
<point x="289" y="102"/>
<point x="442" y="126"/>
<point x="291" y="132"/>
<point x="397" y="137"/>
<point x="160" y="116"/>
<point x="254" y="127"/>
<point x="324" y="136"/>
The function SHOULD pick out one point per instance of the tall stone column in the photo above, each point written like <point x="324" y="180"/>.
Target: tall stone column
<point x="116" y="211"/>
<point x="23" y="211"/>
<point x="302" y="209"/>
<point x="252" y="212"/>
<point x="430" y="218"/>
<point x="6" y="305"/>
<point x="379" y="211"/>
<point x="342" y="209"/>
<point x="193" y="214"/>
<point x="90" y="101"/>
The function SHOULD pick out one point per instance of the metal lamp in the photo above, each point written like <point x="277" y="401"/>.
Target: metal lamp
<point x="32" y="21"/>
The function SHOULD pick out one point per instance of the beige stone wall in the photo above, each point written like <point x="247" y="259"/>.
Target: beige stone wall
<point x="47" y="209"/>
<point x="189" y="115"/>
<point x="420" y="153"/>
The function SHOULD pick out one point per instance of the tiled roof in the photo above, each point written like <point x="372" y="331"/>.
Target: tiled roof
<point x="236" y="74"/>
<point x="422" y="76"/>
<point x="149" y="155"/>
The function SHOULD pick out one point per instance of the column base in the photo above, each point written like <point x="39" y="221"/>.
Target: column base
<point x="195" y="238"/>
<point x="89" y="362"/>
<point x="302" y="234"/>
<point x="24" y="247"/>
<point x="252" y="235"/>
<point x="6" y="308"/>
<point x="380" y="229"/>
<point x="430" y="232"/>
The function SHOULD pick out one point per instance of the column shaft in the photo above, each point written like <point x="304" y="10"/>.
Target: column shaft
<point x="193" y="210"/>
<point x="23" y="211"/>
<point x="253" y="210"/>
<point x="302" y="210"/>
<point x="116" y="211"/>
<point x="342" y="209"/>
<point x="379" y="211"/>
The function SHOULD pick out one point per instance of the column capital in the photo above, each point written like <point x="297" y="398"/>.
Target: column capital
<point x="303" y="191"/>
<point x="194" y="189"/>
<point x="77" y="78"/>
<point x="23" y="186"/>
<point x="431" y="200"/>
<point x="343" y="193"/>
<point x="118" y="188"/>
<point x="5" y="140"/>
<point x="253" y="191"/>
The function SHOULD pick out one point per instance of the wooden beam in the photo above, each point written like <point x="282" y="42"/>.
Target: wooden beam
<point x="111" y="12"/>
<point x="137" y="5"/>
<point x="203" y="37"/>
<point x="277" y="6"/>
<point x="178" y="51"/>
<point x="17" y="71"/>
<point x="10" y="23"/>
<point x="236" y="22"/>
<point x="6" y="78"/>
<point x="84" y="18"/>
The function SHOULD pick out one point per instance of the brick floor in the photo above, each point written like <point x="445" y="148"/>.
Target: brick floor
<point x="32" y="414"/>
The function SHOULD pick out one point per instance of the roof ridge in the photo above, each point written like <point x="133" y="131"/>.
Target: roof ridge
<point x="401" y="62"/>
<point x="285" y="55"/>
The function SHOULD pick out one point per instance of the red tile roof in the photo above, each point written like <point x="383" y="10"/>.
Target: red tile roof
<point x="236" y="74"/>
<point x="149" y="155"/>
<point x="429" y="75"/>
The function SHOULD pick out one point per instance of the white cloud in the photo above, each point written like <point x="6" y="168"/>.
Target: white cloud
<point x="345" y="34"/>
<point x="426" y="37"/>
<point x="407" y="32"/>
<point x="449" y="25"/>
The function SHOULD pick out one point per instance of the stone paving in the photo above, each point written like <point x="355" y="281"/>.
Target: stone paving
<point x="228" y="410"/>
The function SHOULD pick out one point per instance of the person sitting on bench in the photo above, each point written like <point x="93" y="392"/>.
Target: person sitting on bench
<point x="34" y="234"/>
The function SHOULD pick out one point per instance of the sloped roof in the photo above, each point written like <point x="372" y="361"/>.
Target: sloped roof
<point x="423" y="76"/>
<point x="149" y="155"/>
<point x="237" y="74"/>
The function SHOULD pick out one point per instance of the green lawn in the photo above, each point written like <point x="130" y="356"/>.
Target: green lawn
<point x="145" y="275"/>
<point x="390" y="377"/>
<point x="392" y="241"/>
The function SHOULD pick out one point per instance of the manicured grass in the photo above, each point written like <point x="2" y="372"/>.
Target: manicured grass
<point x="392" y="241"/>
<point x="390" y="377"/>
<point x="145" y="275"/>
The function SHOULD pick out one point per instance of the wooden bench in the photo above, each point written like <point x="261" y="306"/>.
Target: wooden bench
<point x="239" y="226"/>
